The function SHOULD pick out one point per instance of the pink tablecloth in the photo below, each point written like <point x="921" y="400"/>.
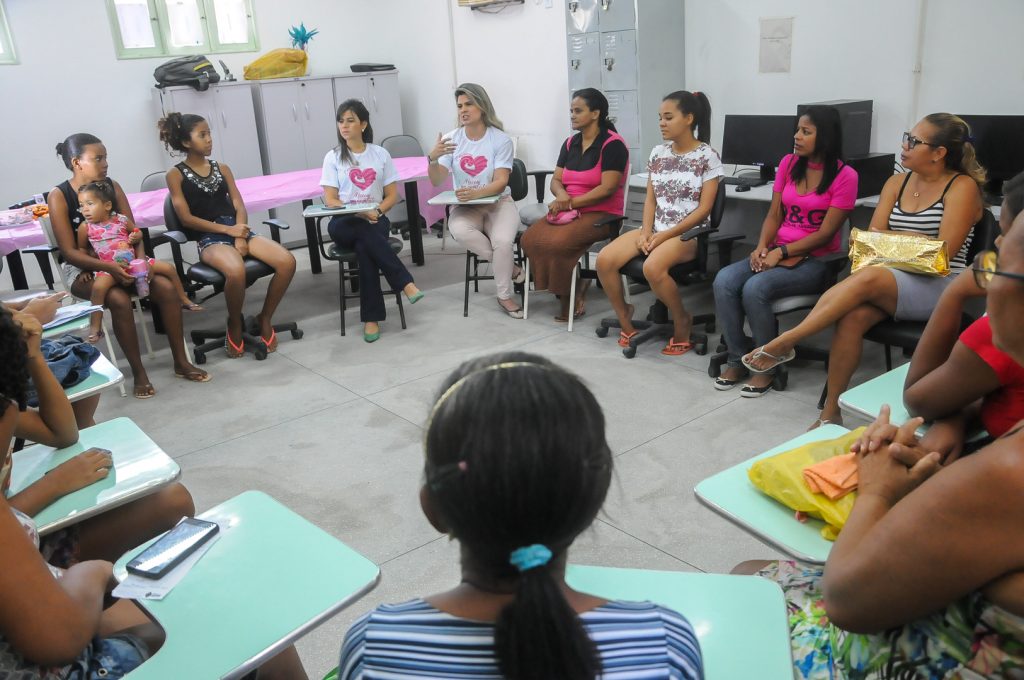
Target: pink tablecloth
<point x="273" y="191"/>
<point x="21" y="236"/>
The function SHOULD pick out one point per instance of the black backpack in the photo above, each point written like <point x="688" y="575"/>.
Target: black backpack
<point x="195" y="71"/>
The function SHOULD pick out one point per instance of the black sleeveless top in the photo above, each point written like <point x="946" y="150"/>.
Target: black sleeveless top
<point x="207" y="197"/>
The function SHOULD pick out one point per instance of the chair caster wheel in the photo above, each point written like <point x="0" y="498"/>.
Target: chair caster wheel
<point x="629" y="352"/>
<point x="721" y="348"/>
<point x="259" y="354"/>
<point x="297" y="334"/>
<point x="780" y="381"/>
<point x="714" y="370"/>
<point x="701" y="349"/>
<point x="200" y="359"/>
<point x="601" y="332"/>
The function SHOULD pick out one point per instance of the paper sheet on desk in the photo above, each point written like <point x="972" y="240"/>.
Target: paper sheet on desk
<point x="69" y="312"/>
<point x="139" y="588"/>
<point x="318" y="210"/>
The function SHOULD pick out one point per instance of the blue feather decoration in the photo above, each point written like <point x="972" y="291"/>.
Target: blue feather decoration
<point x="301" y="36"/>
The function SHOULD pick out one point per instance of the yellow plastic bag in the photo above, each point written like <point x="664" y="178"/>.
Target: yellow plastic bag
<point x="781" y="477"/>
<point x="279" y="63"/>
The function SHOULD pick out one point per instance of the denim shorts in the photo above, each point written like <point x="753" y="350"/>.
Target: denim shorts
<point x="213" y="239"/>
<point x="108" y="658"/>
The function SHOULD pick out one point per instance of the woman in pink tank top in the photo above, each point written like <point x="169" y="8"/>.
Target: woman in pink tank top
<point x="588" y="185"/>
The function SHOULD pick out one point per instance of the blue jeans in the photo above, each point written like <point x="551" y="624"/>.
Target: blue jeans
<point x="740" y="291"/>
<point x="373" y="250"/>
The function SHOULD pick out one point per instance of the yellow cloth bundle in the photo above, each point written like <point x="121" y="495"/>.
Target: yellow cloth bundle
<point x="279" y="63"/>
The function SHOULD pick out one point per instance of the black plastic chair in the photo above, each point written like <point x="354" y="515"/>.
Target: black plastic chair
<point x="202" y="275"/>
<point x="348" y="270"/>
<point x="657" y="324"/>
<point x="518" y="186"/>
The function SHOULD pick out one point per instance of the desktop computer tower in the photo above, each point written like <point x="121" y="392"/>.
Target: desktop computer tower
<point x="855" y="116"/>
<point x="873" y="171"/>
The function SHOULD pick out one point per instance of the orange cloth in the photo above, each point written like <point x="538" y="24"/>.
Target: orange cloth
<point x="834" y="477"/>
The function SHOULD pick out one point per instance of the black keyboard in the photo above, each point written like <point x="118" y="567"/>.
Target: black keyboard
<point x="744" y="181"/>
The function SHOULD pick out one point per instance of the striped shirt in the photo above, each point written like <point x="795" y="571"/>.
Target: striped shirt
<point x="636" y="641"/>
<point x="927" y="222"/>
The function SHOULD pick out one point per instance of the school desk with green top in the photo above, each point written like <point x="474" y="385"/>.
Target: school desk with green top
<point x="140" y="468"/>
<point x="269" y="578"/>
<point x="731" y="494"/>
<point x="103" y="374"/>
<point x="740" y="621"/>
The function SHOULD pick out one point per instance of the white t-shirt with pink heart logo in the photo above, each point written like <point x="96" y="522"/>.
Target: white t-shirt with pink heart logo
<point x="363" y="180"/>
<point x="472" y="164"/>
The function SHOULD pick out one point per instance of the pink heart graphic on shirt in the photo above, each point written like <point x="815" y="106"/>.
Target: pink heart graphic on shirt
<point x="473" y="166"/>
<point x="362" y="178"/>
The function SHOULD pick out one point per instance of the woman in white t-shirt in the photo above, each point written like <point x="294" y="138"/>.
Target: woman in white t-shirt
<point x="478" y="154"/>
<point x="357" y="171"/>
<point x="681" y="188"/>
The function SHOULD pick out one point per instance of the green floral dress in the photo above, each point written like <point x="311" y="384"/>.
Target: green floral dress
<point x="969" y="640"/>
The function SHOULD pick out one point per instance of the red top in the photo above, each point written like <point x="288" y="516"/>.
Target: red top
<point x="1002" y="409"/>
<point x="579" y="182"/>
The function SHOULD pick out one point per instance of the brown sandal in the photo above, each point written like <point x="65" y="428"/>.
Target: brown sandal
<point x="233" y="351"/>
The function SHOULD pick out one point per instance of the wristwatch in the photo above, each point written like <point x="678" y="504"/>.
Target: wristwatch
<point x="784" y="250"/>
<point x="380" y="213"/>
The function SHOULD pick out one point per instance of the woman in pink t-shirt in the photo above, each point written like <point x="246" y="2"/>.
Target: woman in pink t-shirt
<point x="813" y="195"/>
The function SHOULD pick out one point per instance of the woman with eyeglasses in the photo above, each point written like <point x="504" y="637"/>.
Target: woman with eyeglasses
<point x="989" y="390"/>
<point x="926" y="579"/>
<point x="939" y="196"/>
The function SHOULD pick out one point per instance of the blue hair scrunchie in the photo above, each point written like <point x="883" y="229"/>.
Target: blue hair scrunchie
<point x="530" y="557"/>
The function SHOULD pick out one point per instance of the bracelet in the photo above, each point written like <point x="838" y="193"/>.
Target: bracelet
<point x="570" y="203"/>
<point x="784" y="250"/>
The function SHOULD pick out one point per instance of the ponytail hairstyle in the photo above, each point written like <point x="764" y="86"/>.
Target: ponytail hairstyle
<point x="14" y="377"/>
<point x="74" y="146"/>
<point x="696" y="104"/>
<point x="176" y="129"/>
<point x="360" y="111"/>
<point x="596" y="101"/>
<point x="517" y="462"/>
<point x="953" y="133"/>
<point x="828" y="143"/>
<point x="478" y="95"/>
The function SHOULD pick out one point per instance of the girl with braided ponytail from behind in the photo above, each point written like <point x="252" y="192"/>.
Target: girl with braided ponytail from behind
<point x="517" y="466"/>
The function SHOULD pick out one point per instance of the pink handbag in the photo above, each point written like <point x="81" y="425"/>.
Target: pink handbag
<point x="564" y="217"/>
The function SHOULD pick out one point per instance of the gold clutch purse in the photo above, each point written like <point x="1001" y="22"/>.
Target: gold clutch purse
<point x="906" y="252"/>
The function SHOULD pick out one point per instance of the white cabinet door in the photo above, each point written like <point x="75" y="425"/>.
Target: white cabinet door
<point x="317" y="116"/>
<point x="355" y="86"/>
<point x="584" y="60"/>
<point x="385" y="105"/>
<point x="236" y="138"/>
<point x="616" y="15"/>
<point x="282" y="126"/>
<point x="618" y="65"/>
<point x="581" y="16"/>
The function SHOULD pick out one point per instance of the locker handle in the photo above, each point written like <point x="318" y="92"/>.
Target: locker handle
<point x="307" y="110"/>
<point x="575" y="64"/>
<point x="223" y="119"/>
<point x="609" y="62"/>
<point x="573" y="6"/>
<point x="375" y="107"/>
<point x="605" y="4"/>
<point x="295" y="114"/>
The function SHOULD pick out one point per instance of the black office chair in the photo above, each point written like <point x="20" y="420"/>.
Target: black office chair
<point x="906" y="334"/>
<point x="518" y="186"/>
<point x="402" y="146"/>
<point x="657" y="324"/>
<point x="348" y="269"/>
<point x="202" y="275"/>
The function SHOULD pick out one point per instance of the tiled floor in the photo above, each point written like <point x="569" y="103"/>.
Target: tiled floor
<point x="331" y="427"/>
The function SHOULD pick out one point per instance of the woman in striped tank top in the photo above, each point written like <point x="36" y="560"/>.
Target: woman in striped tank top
<point x="939" y="196"/>
<point x="517" y="466"/>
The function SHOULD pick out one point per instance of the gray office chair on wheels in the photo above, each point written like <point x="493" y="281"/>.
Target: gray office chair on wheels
<point x="402" y="146"/>
<point x="658" y="324"/>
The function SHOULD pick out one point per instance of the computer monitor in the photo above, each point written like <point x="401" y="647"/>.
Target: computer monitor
<point x="999" y="142"/>
<point x="758" y="140"/>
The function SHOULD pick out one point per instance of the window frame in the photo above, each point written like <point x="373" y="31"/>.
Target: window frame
<point x="10" y="54"/>
<point x="161" y="32"/>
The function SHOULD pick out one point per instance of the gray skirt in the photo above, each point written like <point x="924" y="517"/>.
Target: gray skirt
<point x="917" y="294"/>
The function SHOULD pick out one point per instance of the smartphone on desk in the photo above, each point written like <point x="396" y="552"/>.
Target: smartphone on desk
<point x="170" y="549"/>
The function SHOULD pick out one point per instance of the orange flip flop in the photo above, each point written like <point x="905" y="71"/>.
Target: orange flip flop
<point x="674" y="348"/>
<point x="624" y="338"/>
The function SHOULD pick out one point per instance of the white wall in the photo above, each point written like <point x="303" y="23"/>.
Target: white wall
<point x="972" y="61"/>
